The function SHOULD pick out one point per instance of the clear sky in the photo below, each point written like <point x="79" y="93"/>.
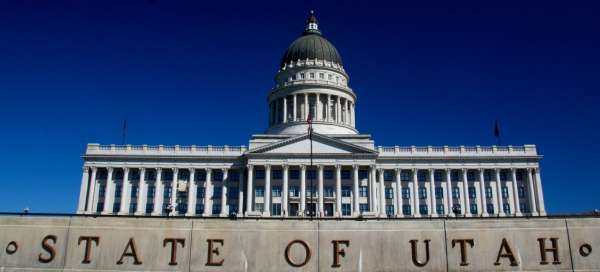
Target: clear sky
<point x="198" y="72"/>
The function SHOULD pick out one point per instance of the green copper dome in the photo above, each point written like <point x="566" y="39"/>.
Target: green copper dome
<point x="311" y="45"/>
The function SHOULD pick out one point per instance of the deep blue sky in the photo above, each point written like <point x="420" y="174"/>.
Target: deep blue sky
<point x="198" y="72"/>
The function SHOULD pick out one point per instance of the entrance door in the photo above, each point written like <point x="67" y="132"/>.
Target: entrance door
<point x="293" y="209"/>
<point x="311" y="209"/>
<point x="328" y="209"/>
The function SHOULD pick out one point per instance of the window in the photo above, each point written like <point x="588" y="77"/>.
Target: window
<point x="405" y="176"/>
<point x="389" y="193"/>
<point x="116" y="207"/>
<point x="503" y="176"/>
<point x="363" y="207"/>
<point x="294" y="174"/>
<point x="488" y="192"/>
<point x="149" y="207"/>
<point x="309" y="192"/>
<point x="199" y="208"/>
<point x="328" y="191"/>
<point x="182" y="207"/>
<point x="311" y="174"/>
<point x="490" y="208"/>
<point x="217" y="192"/>
<point x="440" y="209"/>
<point x="312" y="75"/>
<point x="345" y="174"/>
<point x="346" y="191"/>
<point x="293" y="77"/>
<point x="422" y="193"/>
<point x="259" y="191"/>
<point x="521" y="191"/>
<point x="363" y="191"/>
<point x="233" y="209"/>
<point x="422" y="176"/>
<point x="329" y="76"/>
<point x="506" y="208"/>
<point x="504" y="192"/>
<point x="200" y="192"/>
<point x="524" y="208"/>
<point x="233" y="193"/>
<point x="118" y="190"/>
<point x="200" y="175"/>
<point x="276" y="209"/>
<point x="423" y="209"/>
<point x="294" y="191"/>
<point x="234" y="176"/>
<point x="519" y="175"/>
<point x="388" y="175"/>
<point x="260" y="174"/>
<point x="216" y="209"/>
<point x="259" y="207"/>
<point x="455" y="192"/>
<point x="321" y="76"/>
<point x="302" y="75"/>
<point x="439" y="192"/>
<point x="363" y="174"/>
<point x="487" y="175"/>
<point x="456" y="209"/>
<point x="438" y="176"/>
<point x="472" y="192"/>
<point x="389" y="209"/>
<point x="167" y="191"/>
<point x="405" y="193"/>
<point x="473" y="208"/>
<point x="277" y="174"/>
<point x="217" y="175"/>
<point x="471" y="176"/>
<point x="406" y="209"/>
<point x="346" y="210"/>
<point x="151" y="190"/>
<point x="455" y="176"/>
<point x="328" y="174"/>
<point x="276" y="191"/>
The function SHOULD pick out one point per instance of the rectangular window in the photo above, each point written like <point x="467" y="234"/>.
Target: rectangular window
<point x="149" y="207"/>
<point x="302" y="75"/>
<point x="456" y="209"/>
<point x="294" y="191"/>
<point x="504" y="192"/>
<point x="422" y="176"/>
<point x="471" y="176"/>
<point x="363" y="174"/>
<point x="328" y="174"/>
<point x="488" y="192"/>
<point x="276" y="209"/>
<point x="277" y="174"/>
<point x="233" y="193"/>
<point x="521" y="191"/>
<point x="329" y="76"/>
<point x="216" y="209"/>
<point x="217" y="175"/>
<point x="200" y="193"/>
<point x="473" y="208"/>
<point x="345" y="174"/>
<point x="259" y="207"/>
<point x="167" y="191"/>
<point x="259" y="191"/>
<point x="423" y="210"/>
<point x="328" y="191"/>
<point x="524" y="208"/>
<point x="364" y="207"/>
<point x="519" y="176"/>
<point x="487" y="176"/>
<point x="260" y="174"/>
<point x="389" y="209"/>
<point x="472" y="192"/>
<point x="151" y="190"/>
<point x="406" y="210"/>
<point x="116" y="207"/>
<point x="346" y="191"/>
<point x="199" y="208"/>
<point x="506" y="208"/>
<point x="233" y="176"/>
<point x="311" y="174"/>
<point x="503" y="176"/>
<point x="405" y="193"/>
<point x="363" y="191"/>
<point x="200" y="175"/>
<point x="388" y="175"/>
<point x="455" y="176"/>
<point x="455" y="192"/>
<point x="438" y="176"/>
<point x="405" y="176"/>
<point x="440" y="209"/>
<point x="439" y="192"/>
<point x="276" y="191"/>
<point x="422" y="193"/>
<point x="217" y="191"/>
<point x="233" y="209"/>
<point x="389" y="193"/>
<point x="321" y="76"/>
<point x="490" y="208"/>
<point x="346" y="210"/>
<point x="294" y="174"/>
<point x="312" y="75"/>
<point x="100" y="207"/>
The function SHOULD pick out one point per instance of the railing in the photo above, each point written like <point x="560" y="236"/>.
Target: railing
<point x="526" y="150"/>
<point x="98" y="149"/>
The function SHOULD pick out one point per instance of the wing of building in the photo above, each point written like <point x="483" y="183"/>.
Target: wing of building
<point x="346" y="175"/>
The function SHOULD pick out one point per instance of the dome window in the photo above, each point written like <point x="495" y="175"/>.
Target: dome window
<point x="321" y="76"/>
<point x="302" y="75"/>
<point x="312" y="75"/>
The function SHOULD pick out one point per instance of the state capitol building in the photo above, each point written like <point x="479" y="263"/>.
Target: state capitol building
<point x="346" y="175"/>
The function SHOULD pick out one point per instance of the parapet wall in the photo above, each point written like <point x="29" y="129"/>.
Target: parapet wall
<point x="159" y="244"/>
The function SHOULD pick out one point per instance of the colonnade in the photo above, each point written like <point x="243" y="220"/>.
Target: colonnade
<point x="322" y="107"/>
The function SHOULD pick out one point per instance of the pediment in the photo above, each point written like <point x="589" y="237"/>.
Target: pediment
<point x="321" y="144"/>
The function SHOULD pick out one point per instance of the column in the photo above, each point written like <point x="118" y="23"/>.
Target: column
<point x="250" y="189"/>
<point x="355" y="190"/>
<point x="92" y="202"/>
<point x="143" y="193"/>
<point x="192" y="193"/>
<point x="83" y="190"/>
<point x="320" y="185"/>
<point x="284" y="205"/>
<point x="109" y="194"/>
<point x="285" y="109"/>
<point x="448" y="194"/>
<point x="267" y="210"/>
<point x="499" y="193"/>
<point x="302" y="189"/>
<point x="328" y="108"/>
<point x="125" y="193"/>
<point x="174" y="182"/>
<point x="158" y="193"/>
<point x="240" y="211"/>
<point x="515" y="190"/>
<point x="372" y="183"/>
<point x="338" y="190"/>
<point x="467" y="208"/>
<point x="295" y="111"/>
<point x="382" y="212"/>
<point x="415" y="194"/>
<point x="540" y="193"/>
<point x="224" y="207"/>
<point x="531" y="193"/>
<point x="347" y="112"/>
<point x="338" y="110"/>
<point x="353" y="115"/>
<point x="305" y="117"/>
<point x="431" y="194"/>
<point x="482" y="197"/>
<point x="208" y="193"/>
<point x="318" y="107"/>
<point x="398" y="194"/>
